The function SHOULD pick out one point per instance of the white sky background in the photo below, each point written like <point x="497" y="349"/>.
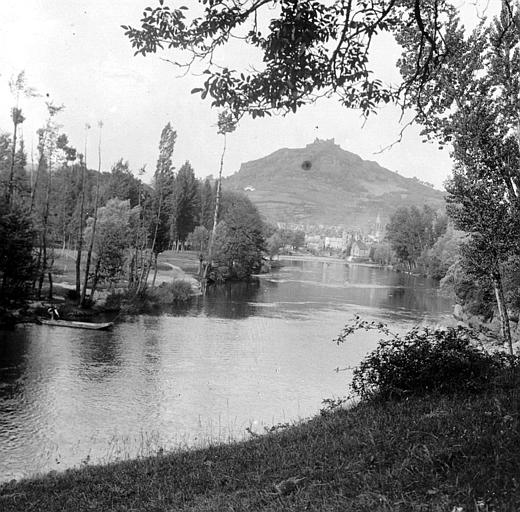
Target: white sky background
<point x="76" y="52"/>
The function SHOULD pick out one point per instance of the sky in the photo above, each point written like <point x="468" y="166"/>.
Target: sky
<point x="75" y="52"/>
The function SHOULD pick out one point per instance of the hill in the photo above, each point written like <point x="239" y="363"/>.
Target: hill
<point x="324" y="184"/>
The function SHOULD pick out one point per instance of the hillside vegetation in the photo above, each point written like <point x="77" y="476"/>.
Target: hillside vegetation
<point x="324" y="184"/>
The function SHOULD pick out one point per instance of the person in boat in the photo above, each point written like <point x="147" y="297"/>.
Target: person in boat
<point x="54" y="313"/>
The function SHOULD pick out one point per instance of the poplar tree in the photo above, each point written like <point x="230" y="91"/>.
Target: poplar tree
<point x="83" y="300"/>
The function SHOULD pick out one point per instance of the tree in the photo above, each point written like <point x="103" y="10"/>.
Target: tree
<point x="239" y="241"/>
<point x="207" y="204"/>
<point x="444" y="253"/>
<point x="112" y="239"/>
<point x="226" y="124"/>
<point x="198" y="239"/>
<point x="274" y="244"/>
<point x="53" y="156"/>
<point x="382" y="253"/>
<point x="411" y="231"/>
<point x="472" y="102"/>
<point x="162" y="197"/>
<point x="309" y="49"/>
<point x="16" y="249"/>
<point x="18" y="88"/>
<point x="122" y="184"/>
<point x="81" y="213"/>
<point x="478" y="207"/>
<point x="83" y="300"/>
<point x="185" y="199"/>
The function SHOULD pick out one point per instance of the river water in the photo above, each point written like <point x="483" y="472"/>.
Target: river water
<point x="246" y="356"/>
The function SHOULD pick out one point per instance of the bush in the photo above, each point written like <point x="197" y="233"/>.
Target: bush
<point x="423" y="361"/>
<point x="168" y="293"/>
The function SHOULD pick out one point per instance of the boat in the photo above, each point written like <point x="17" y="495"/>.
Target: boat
<point x="78" y="325"/>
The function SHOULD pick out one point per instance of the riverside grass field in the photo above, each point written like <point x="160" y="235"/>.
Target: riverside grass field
<point x="435" y="453"/>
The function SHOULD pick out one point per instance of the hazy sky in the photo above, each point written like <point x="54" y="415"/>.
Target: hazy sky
<point x="76" y="52"/>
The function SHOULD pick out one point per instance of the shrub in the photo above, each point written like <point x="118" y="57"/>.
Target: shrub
<point x="115" y="300"/>
<point x="168" y="293"/>
<point x="427" y="360"/>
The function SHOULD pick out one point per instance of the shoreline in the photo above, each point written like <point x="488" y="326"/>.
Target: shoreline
<point x="326" y="259"/>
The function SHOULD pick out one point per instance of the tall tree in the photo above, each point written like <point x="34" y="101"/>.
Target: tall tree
<point x="16" y="250"/>
<point x="239" y="240"/>
<point x="411" y="231"/>
<point x="83" y="300"/>
<point x="226" y="124"/>
<point x="18" y="88"/>
<point x="81" y="212"/>
<point x="113" y="238"/>
<point x="122" y="183"/>
<point x="164" y="180"/>
<point x="53" y="156"/>
<point x="185" y="202"/>
<point x="473" y="103"/>
<point x="207" y="204"/>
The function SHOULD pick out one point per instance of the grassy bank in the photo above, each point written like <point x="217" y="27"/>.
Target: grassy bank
<point x="422" y="454"/>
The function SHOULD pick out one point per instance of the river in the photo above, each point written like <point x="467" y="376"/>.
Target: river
<point x="246" y="356"/>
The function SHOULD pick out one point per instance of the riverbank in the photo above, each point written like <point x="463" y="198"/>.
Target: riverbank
<point x="172" y="266"/>
<point x="434" y="453"/>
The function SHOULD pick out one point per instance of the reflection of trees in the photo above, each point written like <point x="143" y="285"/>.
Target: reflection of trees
<point x="12" y="364"/>
<point x="231" y="300"/>
<point x="13" y="367"/>
<point x="100" y="356"/>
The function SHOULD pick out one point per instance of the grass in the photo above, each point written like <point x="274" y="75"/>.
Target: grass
<point x="188" y="261"/>
<point x="434" y="453"/>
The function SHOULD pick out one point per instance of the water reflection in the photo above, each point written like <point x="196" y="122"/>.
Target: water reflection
<point x="245" y="355"/>
<point x="230" y="300"/>
<point x="99" y="356"/>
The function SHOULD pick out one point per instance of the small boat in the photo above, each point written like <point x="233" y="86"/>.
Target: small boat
<point x="78" y="325"/>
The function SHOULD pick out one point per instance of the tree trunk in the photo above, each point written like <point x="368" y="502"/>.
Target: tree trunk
<point x="11" y="169"/>
<point x="80" y="234"/>
<point x="154" y="270"/>
<point x="215" y="213"/>
<point x="91" y="245"/>
<point x="43" y="263"/>
<point x="144" y="281"/>
<point x="95" y="281"/>
<point x="49" y="275"/>
<point x="38" y="262"/>
<point x="44" y="232"/>
<point x="35" y="186"/>
<point x="502" y="310"/>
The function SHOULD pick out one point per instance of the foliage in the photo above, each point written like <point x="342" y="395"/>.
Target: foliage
<point x="16" y="250"/>
<point x="381" y="253"/>
<point x="206" y="204"/>
<point x="475" y="294"/>
<point x="162" y="202"/>
<point x="185" y="199"/>
<point x="443" y="254"/>
<point x="274" y="243"/>
<point x="473" y="103"/>
<point x="283" y="237"/>
<point x="178" y="290"/>
<point x="308" y="48"/>
<point x="425" y="361"/>
<point x="122" y="184"/>
<point x="239" y="241"/>
<point x="113" y="237"/>
<point x="412" y="231"/>
<point x="198" y="239"/>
